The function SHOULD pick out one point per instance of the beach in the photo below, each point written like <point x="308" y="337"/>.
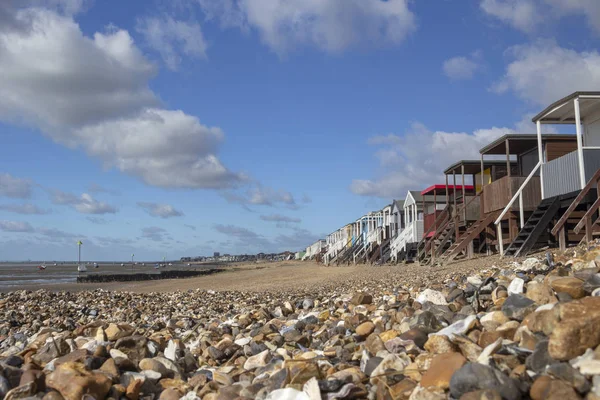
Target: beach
<point x="485" y="328"/>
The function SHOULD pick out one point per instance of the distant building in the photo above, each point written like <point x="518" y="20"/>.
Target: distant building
<point x="217" y="254"/>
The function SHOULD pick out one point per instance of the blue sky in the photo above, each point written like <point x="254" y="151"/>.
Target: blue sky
<point x="172" y="128"/>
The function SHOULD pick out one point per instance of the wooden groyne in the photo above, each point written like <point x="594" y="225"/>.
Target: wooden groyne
<point x="99" y="278"/>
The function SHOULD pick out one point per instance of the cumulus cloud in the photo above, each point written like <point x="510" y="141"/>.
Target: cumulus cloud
<point x="170" y="38"/>
<point x="330" y="25"/>
<point x="527" y="15"/>
<point x="92" y="93"/>
<point x="159" y="210"/>
<point x="84" y="204"/>
<point x="15" y="226"/>
<point x="192" y="227"/>
<point x="279" y="218"/>
<point x="11" y="186"/>
<point x="26" y="209"/>
<point x="462" y="68"/>
<point x="418" y="158"/>
<point x="543" y="72"/>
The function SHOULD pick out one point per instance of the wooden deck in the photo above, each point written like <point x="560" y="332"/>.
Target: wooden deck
<point x="497" y="194"/>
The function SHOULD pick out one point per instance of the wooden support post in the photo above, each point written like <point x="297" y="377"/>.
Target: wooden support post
<point x="500" y="241"/>
<point x="454" y="187"/>
<point x="521" y="212"/>
<point x="447" y="197"/>
<point x="562" y="240"/>
<point x="513" y="227"/>
<point x="470" y="250"/>
<point x="588" y="229"/>
<point x="462" y="172"/>
<point x="507" y="157"/>
<point x="434" y="210"/>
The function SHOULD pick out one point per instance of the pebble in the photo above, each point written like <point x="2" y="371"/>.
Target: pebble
<point x="512" y="331"/>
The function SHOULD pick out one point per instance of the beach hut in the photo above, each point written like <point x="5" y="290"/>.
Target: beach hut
<point x="406" y="241"/>
<point x="568" y="174"/>
<point x="462" y="208"/>
<point x="509" y="195"/>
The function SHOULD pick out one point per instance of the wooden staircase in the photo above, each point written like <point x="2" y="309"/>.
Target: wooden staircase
<point x="378" y="251"/>
<point x="465" y="239"/>
<point x="534" y="228"/>
<point x="345" y="255"/>
<point x="587" y="221"/>
<point x="426" y="243"/>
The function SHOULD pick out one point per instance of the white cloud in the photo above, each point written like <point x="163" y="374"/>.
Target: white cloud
<point x="95" y="188"/>
<point x="97" y="220"/>
<point x="543" y="72"/>
<point x="27" y="209"/>
<point x="92" y="93"/>
<point x="259" y="195"/>
<point x="461" y="68"/>
<point x="14" y="187"/>
<point x="527" y="15"/>
<point x="170" y="38"/>
<point x="521" y="14"/>
<point x="330" y="25"/>
<point x="15" y="226"/>
<point x="159" y="210"/>
<point x="418" y="158"/>
<point x="84" y="204"/>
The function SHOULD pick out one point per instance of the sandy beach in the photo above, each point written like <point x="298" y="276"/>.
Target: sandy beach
<point x="272" y="276"/>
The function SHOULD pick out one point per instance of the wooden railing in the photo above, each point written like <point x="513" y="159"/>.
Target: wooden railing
<point x="519" y="195"/>
<point x="498" y="194"/>
<point x="586" y="221"/>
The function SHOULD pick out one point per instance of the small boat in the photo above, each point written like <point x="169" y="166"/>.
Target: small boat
<point x="122" y="264"/>
<point x="95" y="265"/>
<point x="41" y="267"/>
<point x="156" y="266"/>
<point x="81" y="268"/>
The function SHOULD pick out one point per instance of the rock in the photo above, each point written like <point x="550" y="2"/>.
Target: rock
<point x="390" y="363"/>
<point x="287" y="394"/>
<point x="529" y="264"/>
<point x="473" y="376"/>
<point x="517" y="307"/>
<point x="418" y="336"/>
<point x="73" y="381"/>
<point x="546" y="388"/>
<point x="153" y="365"/>
<point x="458" y="328"/>
<point x="438" y="344"/>
<point x="117" y="331"/>
<point x="485" y="394"/>
<point x="432" y="296"/>
<point x="441" y="370"/>
<point x="572" y="286"/>
<point x="361" y="298"/>
<point x="134" y="347"/>
<point x="539" y="293"/>
<point x="516" y="286"/>
<point x="570" y="375"/>
<point x="365" y="329"/>
<point x="540" y="358"/>
<point x="571" y="337"/>
<point x="258" y="360"/>
<point x="169" y="394"/>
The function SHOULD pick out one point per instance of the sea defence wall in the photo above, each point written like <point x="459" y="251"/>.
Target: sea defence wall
<point x="96" y="278"/>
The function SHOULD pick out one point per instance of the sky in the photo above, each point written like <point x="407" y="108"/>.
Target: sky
<point x="170" y="128"/>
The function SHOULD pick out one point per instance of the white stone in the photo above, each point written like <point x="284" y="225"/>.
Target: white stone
<point x="474" y="280"/>
<point x="432" y="296"/>
<point x="596" y="292"/>
<point x="244" y="341"/>
<point x="258" y="360"/>
<point x="114" y="353"/>
<point x="171" y="351"/>
<point x="311" y="389"/>
<point x="489" y="351"/>
<point x="287" y="394"/>
<point x="152" y="375"/>
<point x="516" y="286"/>
<point x="529" y="264"/>
<point x="458" y="328"/>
